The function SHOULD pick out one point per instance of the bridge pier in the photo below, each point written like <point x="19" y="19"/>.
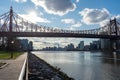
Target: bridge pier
<point x="2" y="40"/>
<point x="114" y="45"/>
<point x="9" y="43"/>
<point x="2" y="43"/>
<point x="110" y="45"/>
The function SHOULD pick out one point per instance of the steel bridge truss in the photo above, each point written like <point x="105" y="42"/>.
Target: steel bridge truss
<point x="12" y="22"/>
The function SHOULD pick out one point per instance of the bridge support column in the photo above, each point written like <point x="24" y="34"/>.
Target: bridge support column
<point x="114" y="45"/>
<point x="3" y="40"/>
<point x="9" y="40"/>
<point x="2" y="43"/>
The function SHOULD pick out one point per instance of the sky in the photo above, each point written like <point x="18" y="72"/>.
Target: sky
<point x="65" y="14"/>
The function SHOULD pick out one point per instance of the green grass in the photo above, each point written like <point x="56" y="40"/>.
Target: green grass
<point x="7" y="55"/>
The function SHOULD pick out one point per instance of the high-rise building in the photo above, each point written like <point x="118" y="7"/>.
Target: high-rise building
<point x="30" y="46"/>
<point x="105" y="44"/>
<point x="24" y="44"/>
<point x="81" y="45"/>
<point x="87" y="47"/>
<point x="69" y="46"/>
<point x="95" y="45"/>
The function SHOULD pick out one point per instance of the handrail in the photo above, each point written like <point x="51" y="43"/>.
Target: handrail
<point x="26" y="75"/>
<point x="23" y="73"/>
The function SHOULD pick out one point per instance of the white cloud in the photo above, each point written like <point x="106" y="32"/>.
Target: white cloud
<point x="75" y="26"/>
<point x="56" y="7"/>
<point x="117" y="17"/>
<point x="21" y="0"/>
<point x="32" y="16"/>
<point x="107" y="21"/>
<point x="94" y="16"/>
<point x="77" y="1"/>
<point x="41" y="14"/>
<point x="78" y="24"/>
<point x="1" y="21"/>
<point x="68" y="21"/>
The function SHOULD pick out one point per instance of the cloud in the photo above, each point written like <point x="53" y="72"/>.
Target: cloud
<point x="56" y="7"/>
<point x="94" y="16"/>
<point x="68" y="21"/>
<point x="41" y="14"/>
<point x="1" y="21"/>
<point x="107" y="21"/>
<point x="117" y="17"/>
<point x="75" y="26"/>
<point x="77" y="1"/>
<point x="78" y="24"/>
<point x="21" y="0"/>
<point x="34" y="18"/>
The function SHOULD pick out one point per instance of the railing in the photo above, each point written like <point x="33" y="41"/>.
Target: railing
<point x="24" y="72"/>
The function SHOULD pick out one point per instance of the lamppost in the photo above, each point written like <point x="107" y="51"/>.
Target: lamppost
<point x="12" y="42"/>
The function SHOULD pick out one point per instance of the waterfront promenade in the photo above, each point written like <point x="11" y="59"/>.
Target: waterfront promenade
<point x="13" y="69"/>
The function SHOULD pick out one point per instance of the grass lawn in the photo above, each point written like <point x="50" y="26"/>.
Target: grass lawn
<point x="7" y="55"/>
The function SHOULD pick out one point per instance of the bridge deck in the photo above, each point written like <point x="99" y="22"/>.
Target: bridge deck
<point x="47" y="34"/>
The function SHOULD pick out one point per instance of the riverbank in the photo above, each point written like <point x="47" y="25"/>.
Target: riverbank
<point x="40" y="70"/>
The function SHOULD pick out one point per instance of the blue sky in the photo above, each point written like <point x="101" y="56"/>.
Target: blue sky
<point x="65" y="14"/>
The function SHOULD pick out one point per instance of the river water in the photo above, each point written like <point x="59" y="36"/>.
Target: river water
<point x="83" y="65"/>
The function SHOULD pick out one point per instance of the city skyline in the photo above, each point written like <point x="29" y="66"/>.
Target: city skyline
<point x="65" y="14"/>
<point x="94" y="45"/>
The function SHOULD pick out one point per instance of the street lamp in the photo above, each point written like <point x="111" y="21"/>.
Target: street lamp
<point x="12" y="42"/>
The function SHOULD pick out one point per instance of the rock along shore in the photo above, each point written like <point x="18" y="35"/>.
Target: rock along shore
<point x="38" y="69"/>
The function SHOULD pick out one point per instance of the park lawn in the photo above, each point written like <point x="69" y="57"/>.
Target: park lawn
<point x="7" y="55"/>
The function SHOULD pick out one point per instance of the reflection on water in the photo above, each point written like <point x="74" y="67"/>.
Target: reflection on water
<point x="85" y="65"/>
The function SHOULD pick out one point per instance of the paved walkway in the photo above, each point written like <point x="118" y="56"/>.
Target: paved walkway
<point x="13" y="69"/>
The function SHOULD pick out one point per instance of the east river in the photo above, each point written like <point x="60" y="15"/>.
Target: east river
<point x="83" y="65"/>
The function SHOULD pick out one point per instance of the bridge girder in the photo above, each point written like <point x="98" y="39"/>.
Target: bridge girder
<point x="65" y="35"/>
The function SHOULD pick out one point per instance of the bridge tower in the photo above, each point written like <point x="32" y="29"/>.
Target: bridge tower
<point x="11" y="20"/>
<point x="113" y="27"/>
<point x="114" y="31"/>
<point x="10" y="38"/>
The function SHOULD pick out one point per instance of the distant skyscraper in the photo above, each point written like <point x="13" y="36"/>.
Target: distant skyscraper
<point x="81" y="45"/>
<point x="30" y="46"/>
<point x="97" y="43"/>
<point x="70" y="46"/>
<point x="87" y="47"/>
<point x="24" y="43"/>
<point x="105" y="44"/>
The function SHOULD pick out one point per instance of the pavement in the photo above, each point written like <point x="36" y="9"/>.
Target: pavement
<point x="13" y="69"/>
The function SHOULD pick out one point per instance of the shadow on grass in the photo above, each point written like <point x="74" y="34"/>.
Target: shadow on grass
<point x="7" y="54"/>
